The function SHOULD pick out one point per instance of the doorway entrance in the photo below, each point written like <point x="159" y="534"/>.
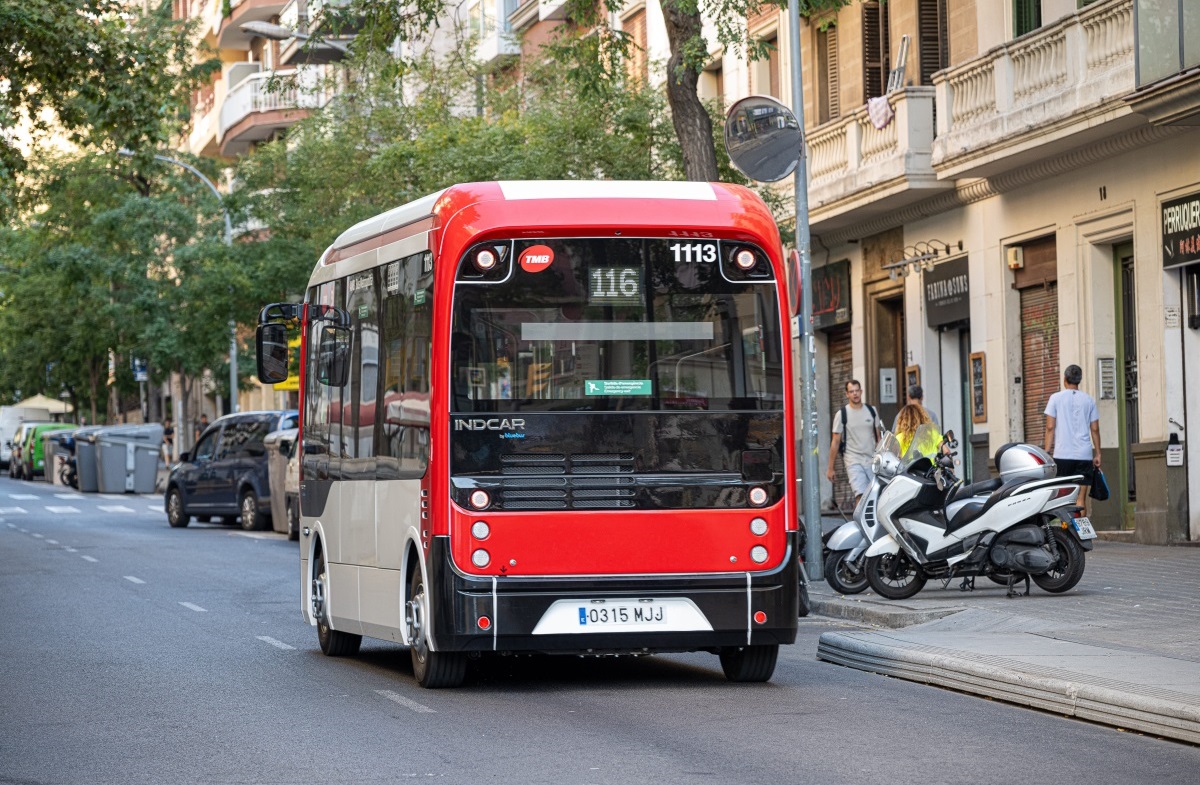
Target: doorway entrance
<point x="886" y="354"/>
<point x="1128" y="428"/>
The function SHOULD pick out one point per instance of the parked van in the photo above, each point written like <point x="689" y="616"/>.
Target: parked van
<point x="226" y="474"/>
<point x="32" y="458"/>
<point x="11" y="418"/>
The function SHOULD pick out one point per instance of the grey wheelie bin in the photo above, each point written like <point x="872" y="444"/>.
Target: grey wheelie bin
<point x="127" y="457"/>
<point x="85" y="458"/>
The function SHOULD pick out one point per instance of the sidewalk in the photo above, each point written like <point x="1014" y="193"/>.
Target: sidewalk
<point x="1121" y="648"/>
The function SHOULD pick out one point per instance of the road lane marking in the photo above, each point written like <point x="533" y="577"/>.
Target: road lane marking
<point x="12" y="525"/>
<point x="52" y="542"/>
<point x="61" y="510"/>
<point x="67" y="496"/>
<point x="70" y="550"/>
<point x="275" y="643"/>
<point x="116" y="508"/>
<point x="117" y="496"/>
<point x="133" y="579"/>
<point x="39" y="536"/>
<point x="22" y="496"/>
<point x="253" y="536"/>
<point x="11" y="510"/>
<point x="420" y="708"/>
<point x="193" y="607"/>
<point x="92" y="559"/>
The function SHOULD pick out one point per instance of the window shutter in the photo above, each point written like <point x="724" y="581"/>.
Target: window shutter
<point x="875" y="49"/>
<point x="832" y="79"/>
<point x="638" y="65"/>
<point x="932" y="38"/>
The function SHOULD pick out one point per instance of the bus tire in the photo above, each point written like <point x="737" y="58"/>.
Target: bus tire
<point x="432" y="669"/>
<point x="252" y="519"/>
<point x="334" y="643"/>
<point x="177" y="515"/>
<point x="749" y="663"/>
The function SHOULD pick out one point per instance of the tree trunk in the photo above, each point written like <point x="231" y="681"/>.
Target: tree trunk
<point x="692" y="123"/>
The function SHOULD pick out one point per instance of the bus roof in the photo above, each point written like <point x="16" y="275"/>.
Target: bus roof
<point x="627" y="203"/>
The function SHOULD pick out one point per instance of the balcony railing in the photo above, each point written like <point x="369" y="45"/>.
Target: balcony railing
<point x="301" y="88"/>
<point x="856" y="166"/>
<point x="1059" y="74"/>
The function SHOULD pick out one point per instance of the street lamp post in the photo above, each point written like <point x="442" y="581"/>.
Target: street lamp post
<point x="233" y="361"/>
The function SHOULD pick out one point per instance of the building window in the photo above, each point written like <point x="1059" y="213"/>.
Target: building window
<point x="876" y="62"/>
<point x="829" y="103"/>
<point x="933" y="38"/>
<point x="1027" y="16"/>
<point x="765" y="71"/>
<point x="481" y="19"/>
<point x="637" y="65"/>
<point x="712" y="82"/>
<point x="1168" y="38"/>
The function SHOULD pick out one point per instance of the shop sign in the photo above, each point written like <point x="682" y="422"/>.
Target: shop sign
<point x="947" y="293"/>
<point x="831" y="295"/>
<point x="1181" y="231"/>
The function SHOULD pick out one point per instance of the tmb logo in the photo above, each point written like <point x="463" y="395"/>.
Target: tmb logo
<point x="536" y="258"/>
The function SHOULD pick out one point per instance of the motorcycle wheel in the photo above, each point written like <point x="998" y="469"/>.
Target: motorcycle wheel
<point x="1064" y="575"/>
<point x="999" y="577"/>
<point x="839" y="576"/>
<point x="894" y="576"/>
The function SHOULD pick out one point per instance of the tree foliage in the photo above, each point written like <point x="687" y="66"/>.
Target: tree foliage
<point x="99" y="70"/>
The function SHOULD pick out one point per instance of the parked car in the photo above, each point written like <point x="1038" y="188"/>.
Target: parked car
<point x="33" y="448"/>
<point x="225" y="474"/>
<point x="284" y="477"/>
<point x="11" y="418"/>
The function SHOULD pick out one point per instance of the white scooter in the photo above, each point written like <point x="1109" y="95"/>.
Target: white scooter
<point x="846" y="547"/>
<point x="1015" y="526"/>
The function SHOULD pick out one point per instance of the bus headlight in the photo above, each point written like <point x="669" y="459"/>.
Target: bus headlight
<point x="480" y="530"/>
<point x="758" y="527"/>
<point x="485" y="259"/>
<point x="758" y="496"/>
<point x="479" y="499"/>
<point x="481" y="558"/>
<point x="745" y="259"/>
<point x="758" y="554"/>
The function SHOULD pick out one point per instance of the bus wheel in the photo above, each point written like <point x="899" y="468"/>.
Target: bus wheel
<point x="432" y="669"/>
<point x="334" y="643"/>
<point x="749" y="663"/>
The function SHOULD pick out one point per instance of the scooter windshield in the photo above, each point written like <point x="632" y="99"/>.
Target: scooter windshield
<point x="924" y="444"/>
<point x="888" y="443"/>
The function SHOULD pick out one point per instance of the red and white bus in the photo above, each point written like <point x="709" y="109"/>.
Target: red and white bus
<point x="549" y="417"/>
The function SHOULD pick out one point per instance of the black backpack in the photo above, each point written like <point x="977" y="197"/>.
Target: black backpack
<point x="874" y="415"/>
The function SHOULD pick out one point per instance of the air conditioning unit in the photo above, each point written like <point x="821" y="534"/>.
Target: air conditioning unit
<point x="1015" y="256"/>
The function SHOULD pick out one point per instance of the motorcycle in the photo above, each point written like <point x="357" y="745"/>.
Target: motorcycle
<point x="846" y="547"/>
<point x="68" y="472"/>
<point x="1017" y="526"/>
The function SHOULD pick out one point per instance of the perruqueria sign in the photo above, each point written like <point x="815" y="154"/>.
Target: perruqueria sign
<point x="947" y="293"/>
<point x="1181" y="231"/>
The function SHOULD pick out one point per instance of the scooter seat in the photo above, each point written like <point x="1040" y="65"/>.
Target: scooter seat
<point x="984" y="488"/>
<point x="965" y="515"/>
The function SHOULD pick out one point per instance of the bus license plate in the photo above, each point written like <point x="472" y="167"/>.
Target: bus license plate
<point x="623" y="614"/>
<point x="1083" y="527"/>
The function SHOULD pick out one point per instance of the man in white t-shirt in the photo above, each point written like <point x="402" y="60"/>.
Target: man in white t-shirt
<point x="1073" y="431"/>
<point x="855" y="439"/>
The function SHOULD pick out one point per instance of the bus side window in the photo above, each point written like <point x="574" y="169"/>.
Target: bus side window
<point x="405" y="349"/>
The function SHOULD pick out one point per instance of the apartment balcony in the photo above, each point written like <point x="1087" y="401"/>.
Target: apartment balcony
<point x="489" y="19"/>
<point x="255" y="110"/>
<point x="858" y="172"/>
<point x="525" y="15"/>
<point x="552" y="9"/>
<point x="1057" y="89"/>
<point x="231" y="35"/>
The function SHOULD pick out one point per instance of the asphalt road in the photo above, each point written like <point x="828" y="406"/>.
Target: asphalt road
<point x="134" y="653"/>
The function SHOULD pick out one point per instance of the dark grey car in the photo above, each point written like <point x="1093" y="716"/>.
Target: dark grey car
<point x="226" y="474"/>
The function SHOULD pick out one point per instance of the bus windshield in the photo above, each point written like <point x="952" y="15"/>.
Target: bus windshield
<point x="616" y="324"/>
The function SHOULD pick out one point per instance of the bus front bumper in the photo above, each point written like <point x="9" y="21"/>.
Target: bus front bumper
<point x="551" y="614"/>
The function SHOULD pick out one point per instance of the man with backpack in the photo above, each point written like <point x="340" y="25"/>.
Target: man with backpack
<point x="855" y="434"/>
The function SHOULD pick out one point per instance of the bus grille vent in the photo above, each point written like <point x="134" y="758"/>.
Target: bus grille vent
<point x="587" y="481"/>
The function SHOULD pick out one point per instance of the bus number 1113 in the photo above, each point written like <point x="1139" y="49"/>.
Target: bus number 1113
<point x="694" y="252"/>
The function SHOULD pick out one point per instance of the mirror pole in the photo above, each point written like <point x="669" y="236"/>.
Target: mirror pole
<point x="810" y="464"/>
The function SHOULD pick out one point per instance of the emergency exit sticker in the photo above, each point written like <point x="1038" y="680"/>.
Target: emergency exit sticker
<point x="618" y="387"/>
<point x="536" y="258"/>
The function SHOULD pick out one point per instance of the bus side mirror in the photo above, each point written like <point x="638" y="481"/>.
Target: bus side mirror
<point x="271" y="349"/>
<point x="333" y="352"/>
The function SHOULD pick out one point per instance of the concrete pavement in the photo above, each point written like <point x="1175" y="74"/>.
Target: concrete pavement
<point x="1121" y="648"/>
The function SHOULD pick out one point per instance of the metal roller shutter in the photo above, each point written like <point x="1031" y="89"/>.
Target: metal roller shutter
<point x="1039" y="355"/>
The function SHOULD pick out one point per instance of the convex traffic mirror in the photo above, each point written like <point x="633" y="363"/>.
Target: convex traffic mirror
<point x="763" y="138"/>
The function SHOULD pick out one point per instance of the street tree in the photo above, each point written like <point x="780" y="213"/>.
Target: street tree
<point x="383" y="22"/>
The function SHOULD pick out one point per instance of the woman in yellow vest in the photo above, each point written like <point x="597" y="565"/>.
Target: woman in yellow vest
<point x="908" y="421"/>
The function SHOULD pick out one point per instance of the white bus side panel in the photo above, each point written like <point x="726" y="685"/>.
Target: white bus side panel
<point x="356" y="522"/>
